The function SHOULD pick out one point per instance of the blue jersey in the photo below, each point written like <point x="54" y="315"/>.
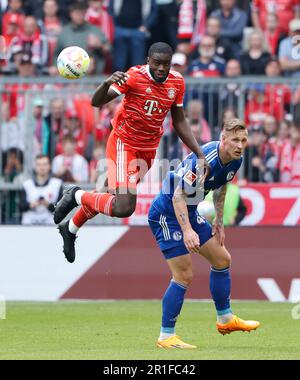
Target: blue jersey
<point x="187" y="175"/>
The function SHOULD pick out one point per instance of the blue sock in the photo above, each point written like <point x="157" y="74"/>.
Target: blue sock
<point x="171" y="306"/>
<point x="220" y="286"/>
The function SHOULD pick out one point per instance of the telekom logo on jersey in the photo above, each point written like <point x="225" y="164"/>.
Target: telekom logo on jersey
<point x="151" y="106"/>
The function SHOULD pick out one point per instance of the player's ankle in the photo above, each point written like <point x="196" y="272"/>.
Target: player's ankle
<point x="72" y="227"/>
<point x="78" y="196"/>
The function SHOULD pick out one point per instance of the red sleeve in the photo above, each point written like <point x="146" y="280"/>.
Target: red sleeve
<point x="130" y="83"/>
<point x="179" y="98"/>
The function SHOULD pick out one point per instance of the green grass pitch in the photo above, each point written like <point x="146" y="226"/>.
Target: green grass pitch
<point x="129" y="329"/>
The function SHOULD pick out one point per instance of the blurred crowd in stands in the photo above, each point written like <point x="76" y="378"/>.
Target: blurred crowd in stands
<point x="213" y="38"/>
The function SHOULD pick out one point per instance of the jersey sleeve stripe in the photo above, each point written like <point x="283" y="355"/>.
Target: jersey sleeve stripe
<point x="116" y="90"/>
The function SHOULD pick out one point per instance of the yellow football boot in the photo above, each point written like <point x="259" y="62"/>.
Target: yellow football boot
<point x="174" y="342"/>
<point x="237" y="324"/>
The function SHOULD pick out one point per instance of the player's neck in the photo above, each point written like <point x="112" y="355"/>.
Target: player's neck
<point x="224" y="157"/>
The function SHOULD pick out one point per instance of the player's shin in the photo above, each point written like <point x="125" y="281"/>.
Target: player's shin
<point x="80" y="217"/>
<point x="220" y="287"/>
<point x="171" y="306"/>
<point x="96" y="202"/>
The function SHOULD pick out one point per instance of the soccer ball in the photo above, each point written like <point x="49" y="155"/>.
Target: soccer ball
<point x="73" y="62"/>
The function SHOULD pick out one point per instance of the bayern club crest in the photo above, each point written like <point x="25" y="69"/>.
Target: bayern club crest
<point x="171" y="93"/>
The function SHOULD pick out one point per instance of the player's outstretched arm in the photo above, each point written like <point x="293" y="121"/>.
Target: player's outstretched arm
<point x="190" y="237"/>
<point x="219" y="200"/>
<point x="183" y="130"/>
<point x="104" y="93"/>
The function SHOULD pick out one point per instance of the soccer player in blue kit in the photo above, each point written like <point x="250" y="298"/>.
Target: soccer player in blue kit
<point x="179" y="231"/>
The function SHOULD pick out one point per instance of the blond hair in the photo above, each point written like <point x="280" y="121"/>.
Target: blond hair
<point x="233" y="125"/>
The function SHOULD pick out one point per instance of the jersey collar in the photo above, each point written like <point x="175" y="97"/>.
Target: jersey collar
<point x="151" y="77"/>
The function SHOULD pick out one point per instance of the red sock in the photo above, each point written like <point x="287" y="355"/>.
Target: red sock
<point x="83" y="215"/>
<point x="98" y="202"/>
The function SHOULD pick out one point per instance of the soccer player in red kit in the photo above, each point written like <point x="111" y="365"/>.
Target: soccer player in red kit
<point x="151" y="91"/>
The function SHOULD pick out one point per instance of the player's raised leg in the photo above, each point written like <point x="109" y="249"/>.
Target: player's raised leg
<point x="220" y="287"/>
<point x="181" y="268"/>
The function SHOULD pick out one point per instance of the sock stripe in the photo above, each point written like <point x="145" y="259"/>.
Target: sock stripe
<point x="220" y="270"/>
<point x="224" y="311"/>
<point x="177" y="283"/>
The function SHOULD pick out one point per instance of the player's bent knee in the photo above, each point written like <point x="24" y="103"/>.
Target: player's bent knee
<point x="223" y="261"/>
<point x="184" y="277"/>
<point x="123" y="212"/>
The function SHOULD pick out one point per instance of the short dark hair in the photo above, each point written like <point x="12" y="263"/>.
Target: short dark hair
<point x="160" y="47"/>
<point x="40" y="156"/>
<point x="78" y="6"/>
<point x="69" y="138"/>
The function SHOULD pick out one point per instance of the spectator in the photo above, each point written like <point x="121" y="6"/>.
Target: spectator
<point x="191" y="25"/>
<point x="199" y="125"/>
<point x="133" y="20"/>
<point x="272" y="33"/>
<point x="286" y="10"/>
<point x="12" y="164"/>
<point x="12" y="172"/>
<point x="55" y="120"/>
<point x="51" y="26"/>
<point x="80" y="33"/>
<point x="223" y="46"/>
<point x="72" y="126"/>
<point x="98" y="154"/>
<point x="253" y="162"/>
<point x="258" y="106"/>
<point x="229" y="113"/>
<point x="207" y="65"/>
<point x="97" y="14"/>
<point x="30" y="41"/>
<point x="288" y="51"/>
<point x="179" y="63"/>
<point x="70" y="166"/>
<point x="12" y="131"/>
<point x="277" y="95"/>
<point x="289" y="165"/>
<point x="283" y="132"/>
<point x="13" y="16"/>
<point x="166" y="24"/>
<point x="103" y="118"/>
<point x="41" y="129"/>
<point x="255" y="58"/>
<point x="231" y="92"/>
<point x="39" y="193"/>
<point x="233" y="22"/>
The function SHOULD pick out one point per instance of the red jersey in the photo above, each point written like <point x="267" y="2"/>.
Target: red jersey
<point x="284" y="9"/>
<point x="138" y="122"/>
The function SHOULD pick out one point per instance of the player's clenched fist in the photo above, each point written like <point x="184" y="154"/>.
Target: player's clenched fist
<point x="191" y="241"/>
<point x="118" y="77"/>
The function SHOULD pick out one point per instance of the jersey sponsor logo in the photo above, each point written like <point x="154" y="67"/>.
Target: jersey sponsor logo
<point x="200" y="219"/>
<point x="190" y="177"/>
<point x="177" y="235"/>
<point x="230" y="175"/>
<point x="151" y="106"/>
<point x="171" y="93"/>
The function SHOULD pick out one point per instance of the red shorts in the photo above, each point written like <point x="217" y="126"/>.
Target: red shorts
<point x="126" y="166"/>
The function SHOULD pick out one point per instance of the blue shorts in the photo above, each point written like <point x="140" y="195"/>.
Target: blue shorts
<point x="168" y="233"/>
